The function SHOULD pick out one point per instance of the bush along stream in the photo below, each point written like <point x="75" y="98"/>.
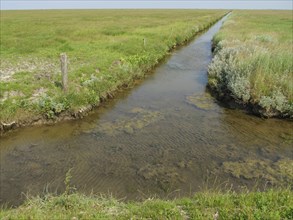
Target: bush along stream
<point x="252" y="67"/>
<point x="105" y="54"/>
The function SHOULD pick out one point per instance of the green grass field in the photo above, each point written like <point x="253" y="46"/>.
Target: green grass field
<point x="253" y="61"/>
<point x="271" y="205"/>
<point x="107" y="49"/>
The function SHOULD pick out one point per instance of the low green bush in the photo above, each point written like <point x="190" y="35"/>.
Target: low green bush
<point x="254" y="69"/>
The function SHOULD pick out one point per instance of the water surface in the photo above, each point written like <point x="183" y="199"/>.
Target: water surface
<point x="166" y="137"/>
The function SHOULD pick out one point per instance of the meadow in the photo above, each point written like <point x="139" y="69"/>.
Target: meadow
<point x="107" y="50"/>
<point x="253" y="62"/>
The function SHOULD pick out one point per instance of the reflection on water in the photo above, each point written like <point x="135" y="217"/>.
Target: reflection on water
<point x="165" y="137"/>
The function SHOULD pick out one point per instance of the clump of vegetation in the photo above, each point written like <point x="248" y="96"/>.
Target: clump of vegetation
<point x="202" y="101"/>
<point x="107" y="49"/>
<point x="140" y="119"/>
<point x="271" y="204"/>
<point x="252" y="63"/>
<point x="276" y="173"/>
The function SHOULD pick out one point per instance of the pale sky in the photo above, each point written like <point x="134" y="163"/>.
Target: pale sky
<point x="121" y="4"/>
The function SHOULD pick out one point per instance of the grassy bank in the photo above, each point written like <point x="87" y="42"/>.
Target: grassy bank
<point x="272" y="204"/>
<point x="107" y="49"/>
<point x="253" y="62"/>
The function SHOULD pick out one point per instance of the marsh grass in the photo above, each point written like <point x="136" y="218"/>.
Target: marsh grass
<point x="253" y="61"/>
<point x="272" y="204"/>
<point x="106" y="49"/>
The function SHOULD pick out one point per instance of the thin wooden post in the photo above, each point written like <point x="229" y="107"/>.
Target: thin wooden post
<point x="63" y="59"/>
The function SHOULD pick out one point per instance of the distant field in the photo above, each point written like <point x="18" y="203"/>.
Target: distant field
<point x="106" y="49"/>
<point x="253" y="62"/>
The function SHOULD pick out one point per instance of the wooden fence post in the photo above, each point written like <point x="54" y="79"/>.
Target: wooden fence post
<point x="63" y="59"/>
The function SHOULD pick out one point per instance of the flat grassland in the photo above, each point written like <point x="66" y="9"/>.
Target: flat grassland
<point x="253" y="62"/>
<point x="272" y="204"/>
<point x="107" y="49"/>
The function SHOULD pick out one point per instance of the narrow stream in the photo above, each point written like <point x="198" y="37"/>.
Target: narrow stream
<point x="165" y="137"/>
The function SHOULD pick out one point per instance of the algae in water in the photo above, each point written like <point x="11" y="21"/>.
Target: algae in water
<point x="201" y="101"/>
<point x="279" y="172"/>
<point x="139" y="119"/>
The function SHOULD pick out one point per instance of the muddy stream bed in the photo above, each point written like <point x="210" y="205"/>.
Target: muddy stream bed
<point x="166" y="137"/>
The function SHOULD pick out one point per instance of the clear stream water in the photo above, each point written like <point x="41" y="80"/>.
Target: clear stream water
<point x="165" y="137"/>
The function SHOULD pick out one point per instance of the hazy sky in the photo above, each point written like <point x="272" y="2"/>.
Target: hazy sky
<point x="69" y="4"/>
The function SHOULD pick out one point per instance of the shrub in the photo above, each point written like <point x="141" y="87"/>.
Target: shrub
<point x="249" y="74"/>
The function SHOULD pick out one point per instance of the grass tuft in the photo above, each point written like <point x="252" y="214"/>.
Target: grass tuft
<point x="272" y="204"/>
